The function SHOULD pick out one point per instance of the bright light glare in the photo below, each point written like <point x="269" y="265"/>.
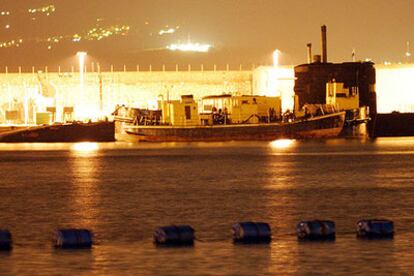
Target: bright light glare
<point x="85" y="147"/>
<point x="274" y="76"/>
<point x="81" y="56"/>
<point x="168" y="31"/>
<point x="83" y="111"/>
<point x="282" y="143"/>
<point x="86" y="111"/>
<point x="190" y="47"/>
<point x="395" y="88"/>
<point x="276" y="54"/>
<point x="152" y="104"/>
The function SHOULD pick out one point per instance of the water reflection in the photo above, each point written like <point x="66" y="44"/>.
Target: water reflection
<point x="279" y="180"/>
<point x="282" y="143"/>
<point x="84" y="193"/>
<point x="123" y="192"/>
<point x="85" y="147"/>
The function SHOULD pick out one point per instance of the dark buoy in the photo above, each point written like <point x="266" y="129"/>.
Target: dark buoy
<point x="5" y="240"/>
<point x="174" y="235"/>
<point x="252" y="232"/>
<point x="73" y="238"/>
<point x="316" y="230"/>
<point x="375" y="228"/>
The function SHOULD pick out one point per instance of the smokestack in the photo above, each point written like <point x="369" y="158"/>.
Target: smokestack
<point x="309" y="47"/>
<point x="324" y="45"/>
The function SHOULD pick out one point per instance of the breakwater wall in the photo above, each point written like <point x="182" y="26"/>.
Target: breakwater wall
<point x="98" y="93"/>
<point x="86" y="93"/>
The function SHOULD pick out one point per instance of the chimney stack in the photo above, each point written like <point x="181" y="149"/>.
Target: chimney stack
<point x="309" y="47"/>
<point x="324" y="45"/>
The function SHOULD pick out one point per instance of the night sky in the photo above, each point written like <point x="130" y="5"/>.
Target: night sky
<point x="240" y="31"/>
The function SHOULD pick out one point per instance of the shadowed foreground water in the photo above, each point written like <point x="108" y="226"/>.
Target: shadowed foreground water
<point x="124" y="191"/>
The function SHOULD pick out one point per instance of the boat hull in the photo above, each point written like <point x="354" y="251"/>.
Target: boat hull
<point x="72" y="132"/>
<point x="327" y="126"/>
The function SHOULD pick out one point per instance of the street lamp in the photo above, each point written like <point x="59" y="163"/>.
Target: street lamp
<point x="81" y="106"/>
<point x="274" y="75"/>
<point x="81" y="57"/>
<point x="276" y="55"/>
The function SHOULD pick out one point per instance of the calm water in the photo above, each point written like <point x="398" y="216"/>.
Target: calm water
<point x="124" y="191"/>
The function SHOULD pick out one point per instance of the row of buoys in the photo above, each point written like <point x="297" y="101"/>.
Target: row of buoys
<point x="325" y="229"/>
<point x="243" y="232"/>
<point x="260" y="232"/>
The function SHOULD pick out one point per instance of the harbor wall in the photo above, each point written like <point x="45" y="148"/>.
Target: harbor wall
<point x="139" y="89"/>
<point x="33" y="92"/>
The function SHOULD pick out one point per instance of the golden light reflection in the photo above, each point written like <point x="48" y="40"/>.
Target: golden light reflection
<point x="282" y="143"/>
<point x="85" y="147"/>
<point x="84" y="192"/>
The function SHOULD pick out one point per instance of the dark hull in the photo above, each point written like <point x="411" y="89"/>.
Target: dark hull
<point x="73" y="132"/>
<point x="327" y="126"/>
<point x="394" y="125"/>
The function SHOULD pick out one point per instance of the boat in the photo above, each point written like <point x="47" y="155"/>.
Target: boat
<point x="102" y="131"/>
<point x="349" y="86"/>
<point x="225" y="118"/>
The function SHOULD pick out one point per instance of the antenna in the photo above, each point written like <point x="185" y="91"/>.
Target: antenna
<point x="353" y="55"/>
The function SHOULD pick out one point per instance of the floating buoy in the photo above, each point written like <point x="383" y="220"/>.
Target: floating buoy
<point x="316" y="230"/>
<point x="375" y="228"/>
<point x="174" y="235"/>
<point x="5" y="240"/>
<point x="252" y="232"/>
<point x="73" y="238"/>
